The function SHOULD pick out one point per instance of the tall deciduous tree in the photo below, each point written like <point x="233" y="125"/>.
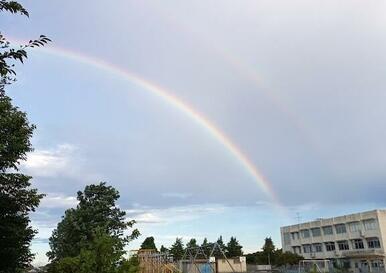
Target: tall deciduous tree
<point x="96" y="217"/>
<point x="17" y="198"/>
<point x="100" y="256"/>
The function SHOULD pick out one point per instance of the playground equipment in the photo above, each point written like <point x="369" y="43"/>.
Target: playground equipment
<point x="150" y="261"/>
<point x="315" y="266"/>
<point x="210" y="259"/>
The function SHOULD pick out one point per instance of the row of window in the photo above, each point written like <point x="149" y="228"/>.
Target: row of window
<point x="369" y="224"/>
<point x="341" y="245"/>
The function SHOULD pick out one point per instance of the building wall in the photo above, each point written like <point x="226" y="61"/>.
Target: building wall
<point x="239" y="265"/>
<point x="382" y="226"/>
<point x="357" y="227"/>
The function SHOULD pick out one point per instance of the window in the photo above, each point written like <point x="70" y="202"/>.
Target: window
<point x="330" y="246"/>
<point x="370" y="224"/>
<point x="295" y="235"/>
<point x="373" y="242"/>
<point x="317" y="247"/>
<point x="327" y="230"/>
<point x="354" y="226"/>
<point x="297" y="249"/>
<point x="358" y="244"/>
<point x="343" y="245"/>
<point x="307" y="248"/>
<point x="316" y="232"/>
<point x="376" y="263"/>
<point x="340" y="228"/>
<point x="287" y="238"/>
<point x="305" y="233"/>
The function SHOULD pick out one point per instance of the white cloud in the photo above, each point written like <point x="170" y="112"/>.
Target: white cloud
<point x="173" y="214"/>
<point x="50" y="163"/>
<point x="178" y="195"/>
<point x="53" y="200"/>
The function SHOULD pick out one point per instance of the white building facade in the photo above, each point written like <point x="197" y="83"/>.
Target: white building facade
<point x="354" y="242"/>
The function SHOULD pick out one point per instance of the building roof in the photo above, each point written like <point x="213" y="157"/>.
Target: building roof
<point x="341" y="218"/>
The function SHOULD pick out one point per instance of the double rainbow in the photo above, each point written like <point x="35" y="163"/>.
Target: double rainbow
<point x="168" y="96"/>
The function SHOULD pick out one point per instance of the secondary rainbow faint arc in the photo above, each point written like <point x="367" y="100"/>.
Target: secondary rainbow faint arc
<point x="168" y="96"/>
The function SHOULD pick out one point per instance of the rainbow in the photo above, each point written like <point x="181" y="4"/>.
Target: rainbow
<point x="244" y="70"/>
<point x="177" y="103"/>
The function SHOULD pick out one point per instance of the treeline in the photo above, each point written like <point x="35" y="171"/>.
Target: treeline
<point x="269" y="254"/>
<point x="177" y="249"/>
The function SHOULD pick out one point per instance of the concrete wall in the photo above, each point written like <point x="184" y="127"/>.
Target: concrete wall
<point x="239" y="265"/>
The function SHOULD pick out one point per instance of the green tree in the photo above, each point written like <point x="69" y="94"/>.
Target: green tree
<point x="251" y="258"/>
<point x="163" y="249"/>
<point x="96" y="219"/>
<point x="148" y="243"/>
<point x="268" y="255"/>
<point x="219" y="252"/>
<point x="220" y="243"/>
<point x="8" y="53"/>
<point x="100" y="256"/>
<point x="268" y="246"/>
<point x="233" y="249"/>
<point x="205" y="243"/>
<point x="286" y="258"/>
<point x="191" y="247"/>
<point x="129" y="266"/>
<point x="17" y="198"/>
<point x="177" y="249"/>
<point x="192" y="243"/>
<point x="206" y="246"/>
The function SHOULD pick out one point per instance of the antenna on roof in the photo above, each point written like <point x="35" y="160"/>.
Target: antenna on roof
<point x="298" y="217"/>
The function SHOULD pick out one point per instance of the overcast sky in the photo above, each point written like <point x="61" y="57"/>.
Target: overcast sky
<point x="297" y="86"/>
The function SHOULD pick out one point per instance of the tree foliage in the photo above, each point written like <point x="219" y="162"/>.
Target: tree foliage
<point x="15" y="135"/>
<point x="10" y="53"/>
<point x="177" y="249"/>
<point x="17" y="198"/>
<point x="206" y="246"/>
<point x="233" y="248"/>
<point x="192" y="243"/>
<point x="100" y="256"/>
<point x="287" y="258"/>
<point x="270" y="254"/>
<point x="93" y="232"/>
<point x="163" y="249"/>
<point x="148" y="243"/>
<point x="13" y="7"/>
<point x="218" y="253"/>
<point x="268" y="247"/>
